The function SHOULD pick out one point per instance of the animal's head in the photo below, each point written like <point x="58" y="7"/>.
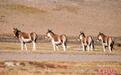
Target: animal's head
<point x="16" y="32"/>
<point x="49" y="33"/>
<point x="82" y="35"/>
<point x="100" y="36"/>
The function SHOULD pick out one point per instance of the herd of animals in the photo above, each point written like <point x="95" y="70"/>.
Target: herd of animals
<point x="87" y="42"/>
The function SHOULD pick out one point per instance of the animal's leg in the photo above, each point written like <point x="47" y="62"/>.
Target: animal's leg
<point x="54" y="47"/>
<point x="83" y="47"/>
<point x="25" y="46"/>
<point x="109" y="48"/>
<point x="64" y="47"/>
<point x="34" y="46"/>
<point x="22" y="46"/>
<point x="92" y="47"/>
<point x="103" y="47"/>
<point x="88" y="47"/>
<point x="57" y="48"/>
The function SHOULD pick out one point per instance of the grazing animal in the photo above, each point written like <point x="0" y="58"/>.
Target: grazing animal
<point x="25" y="38"/>
<point x="106" y="41"/>
<point x="86" y="42"/>
<point x="57" y="40"/>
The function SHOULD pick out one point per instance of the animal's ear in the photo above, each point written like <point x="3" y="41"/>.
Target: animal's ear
<point x="49" y="30"/>
<point x="100" y="32"/>
<point x="14" y="28"/>
<point x="81" y="31"/>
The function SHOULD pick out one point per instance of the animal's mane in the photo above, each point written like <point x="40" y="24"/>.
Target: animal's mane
<point x="102" y="34"/>
<point x="17" y="32"/>
<point x="82" y="33"/>
<point x="51" y="32"/>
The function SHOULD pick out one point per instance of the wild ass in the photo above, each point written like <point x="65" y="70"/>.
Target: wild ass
<point x="106" y="41"/>
<point x="25" y="38"/>
<point x="57" y="40"/>
<point x="86" y="42"/>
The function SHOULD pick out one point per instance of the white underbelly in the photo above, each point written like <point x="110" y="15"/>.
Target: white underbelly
<point x="26" y="40"/>
<point x="58" y="42"/>
<point x="105" y="44"/>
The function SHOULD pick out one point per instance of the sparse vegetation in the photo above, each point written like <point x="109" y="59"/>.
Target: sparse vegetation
<point x="23" y="9"/>
<point x="47" y="48"/>
<point x="59" y="68"/>
<point x="70" y="9"/>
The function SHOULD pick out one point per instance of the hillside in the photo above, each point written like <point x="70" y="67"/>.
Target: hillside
<point x="62" y="16"/>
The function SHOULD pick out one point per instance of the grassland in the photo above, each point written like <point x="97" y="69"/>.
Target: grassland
<point x="23" y="9"/>
<point x="47" y="48"/>
<point x="60" y="68"/>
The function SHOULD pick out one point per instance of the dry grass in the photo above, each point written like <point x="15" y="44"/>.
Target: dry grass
<point x="60" y="68"/>
<point x="55" y="67"/>
<point x="23" y="9"/>
<point x="71" y="9"/>
<point x="47" y="48"/>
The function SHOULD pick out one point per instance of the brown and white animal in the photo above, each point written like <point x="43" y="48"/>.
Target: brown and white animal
<point x="25" y="38"/>
<point x="86" y="42"/>
<point x="106" y="41"/>
<point x="57" y="40"/>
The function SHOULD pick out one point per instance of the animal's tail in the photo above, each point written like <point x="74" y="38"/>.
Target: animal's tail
<point x="36" y="38"/>
<point x="65" y="40"/>
<point x="92" y="42"/>
<point x="65" y="43"/>
<point x="112" y="44"/>
<point x="93" y="45"/>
